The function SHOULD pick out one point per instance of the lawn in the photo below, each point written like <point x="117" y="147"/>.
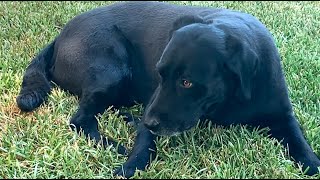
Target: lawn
<point x="41" y="145"/>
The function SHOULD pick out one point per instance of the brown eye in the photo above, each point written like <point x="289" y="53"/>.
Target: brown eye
<point x="186" y="83"/>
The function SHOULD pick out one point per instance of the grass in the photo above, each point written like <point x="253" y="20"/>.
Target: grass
<point x="40" y="144"/>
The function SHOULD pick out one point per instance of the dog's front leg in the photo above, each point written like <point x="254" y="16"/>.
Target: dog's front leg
<point x="288" y="131"/>
<point x="143" y="152"/>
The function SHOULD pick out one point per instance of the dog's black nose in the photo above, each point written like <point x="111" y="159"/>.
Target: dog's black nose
<point x="152" y="124"/>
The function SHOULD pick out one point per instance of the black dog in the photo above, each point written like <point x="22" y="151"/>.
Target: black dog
<point x="183" y="63"/>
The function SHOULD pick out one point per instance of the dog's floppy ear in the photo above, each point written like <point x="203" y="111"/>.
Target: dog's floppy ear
<point x="184" y="21"/>
<point x="243" y="62"/>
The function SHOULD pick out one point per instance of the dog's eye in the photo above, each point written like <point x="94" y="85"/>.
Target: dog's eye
<point x="186" y="84"/>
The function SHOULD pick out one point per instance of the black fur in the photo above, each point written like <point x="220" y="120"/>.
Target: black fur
<point x="36" y="80"/>
<point x="148" y="52"/>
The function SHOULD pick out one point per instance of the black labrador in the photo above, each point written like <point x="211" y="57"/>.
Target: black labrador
<point x="182" y="63"/>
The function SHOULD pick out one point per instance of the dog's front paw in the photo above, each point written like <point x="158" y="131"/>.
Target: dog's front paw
<point x="312" y="167"/>
<point x="127" y="170"/>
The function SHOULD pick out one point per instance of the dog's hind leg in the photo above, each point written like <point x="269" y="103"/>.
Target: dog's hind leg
<point x="103" y="88"/>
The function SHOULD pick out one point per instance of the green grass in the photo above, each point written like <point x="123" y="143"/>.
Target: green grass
<point x="40" y="144"/>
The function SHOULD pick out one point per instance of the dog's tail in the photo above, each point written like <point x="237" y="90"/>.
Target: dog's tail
<point x="36" y="80"/>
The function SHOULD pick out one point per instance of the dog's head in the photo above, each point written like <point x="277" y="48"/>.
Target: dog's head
<point x="196" y="73"/>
